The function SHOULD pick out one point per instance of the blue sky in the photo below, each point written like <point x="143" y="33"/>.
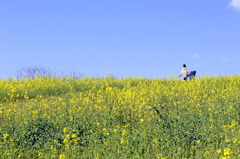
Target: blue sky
<point x="136" y="38"/>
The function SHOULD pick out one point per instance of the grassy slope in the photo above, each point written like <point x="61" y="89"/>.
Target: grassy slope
<point x="120" y="118"/>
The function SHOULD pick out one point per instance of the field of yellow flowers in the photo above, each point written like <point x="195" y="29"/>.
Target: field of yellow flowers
<point x="65" y="118"/>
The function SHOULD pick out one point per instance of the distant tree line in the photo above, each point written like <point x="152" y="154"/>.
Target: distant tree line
<point x="33" y="72"/>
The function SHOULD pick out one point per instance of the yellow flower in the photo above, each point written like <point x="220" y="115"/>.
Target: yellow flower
<point x="123" y="141"/>
<point x="74" y="135"/>
<point x="51" y="147"/>
<point x="7" y="152"/>
<point x="160" y="156"/>
<point x="228" y="140"/>
<point x="114" y="131"/>
<point x="68" y="136"/>
<point x="124" y="132"/>
<point x="235" y="140"/>
<point x="225" y="157"/>
<point x="5" y="136"/>
<point x="227" y="151"/>
<point x="206" y="153"/>
<point x="40" y="154"/>
<point x="65" y="140"/>
<point x="62" y="156"/>
<point x="219" y="151"/>
<point x="65" y="130"/>
<point x="233" y="123"/>
<point x="155" y="141"/>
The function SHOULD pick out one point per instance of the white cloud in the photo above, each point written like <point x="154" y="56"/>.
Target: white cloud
<point x="224" y="59"/>
<point x="235" y="4"/>
<point x="195" y="56"/>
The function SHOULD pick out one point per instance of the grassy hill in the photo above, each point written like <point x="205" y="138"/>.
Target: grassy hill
<point x="120" y="118"/>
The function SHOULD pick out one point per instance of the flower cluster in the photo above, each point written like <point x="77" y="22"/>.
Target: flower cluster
<point x="120" y="118"/>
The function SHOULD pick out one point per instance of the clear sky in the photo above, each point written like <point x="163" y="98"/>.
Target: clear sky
<point x="139" y="38"/>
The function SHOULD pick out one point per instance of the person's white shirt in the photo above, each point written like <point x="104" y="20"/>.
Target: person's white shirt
<point x="184" y="72"/>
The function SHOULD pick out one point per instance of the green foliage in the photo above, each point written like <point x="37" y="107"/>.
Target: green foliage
<point x="39" y="132"/>
<point x="120" y="118"/>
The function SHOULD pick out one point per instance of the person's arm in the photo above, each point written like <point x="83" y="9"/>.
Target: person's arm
<point x="180" y="74"/>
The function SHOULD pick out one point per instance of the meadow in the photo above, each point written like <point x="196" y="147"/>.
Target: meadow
<point x="98" y="118"/>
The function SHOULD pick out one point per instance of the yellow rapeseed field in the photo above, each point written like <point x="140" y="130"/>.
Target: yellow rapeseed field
<point x="100" y="118"/>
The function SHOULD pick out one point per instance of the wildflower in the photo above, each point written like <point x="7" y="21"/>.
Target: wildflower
<point x="65" y="140"/>
<point x="225" y="157"/>
<point x="123" y="141"/>
<point x="235" y="140"/>
<point x="62" y="156"/>
<point x="227" y="151"/>
<point x="40" y="154"/>
<point x="227" y="140"/>
<point x="155" y="141"/>
<point x="5" y="136"/>
<point x="124" y="132"/>
<point x="233" y="123"/>
<point x="51" y="147"/>
<point x="114" y="131"/>
<point x="206" y="153"/>
<point x="7" y="152"/>
<point x="219" y="151"/>
<point x="74" y="135"/>
<point x="65" y="130"/>
<point x="68" y="136"/>
<point x="160" y="156"/>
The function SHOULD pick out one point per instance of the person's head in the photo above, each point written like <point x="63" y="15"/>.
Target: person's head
<point x="184" y="65"/>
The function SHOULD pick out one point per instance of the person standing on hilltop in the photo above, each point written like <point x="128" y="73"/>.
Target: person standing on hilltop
<point x="184" y="72"/>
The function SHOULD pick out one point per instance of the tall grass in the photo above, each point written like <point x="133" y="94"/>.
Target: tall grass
<point x="120" y="118"/>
